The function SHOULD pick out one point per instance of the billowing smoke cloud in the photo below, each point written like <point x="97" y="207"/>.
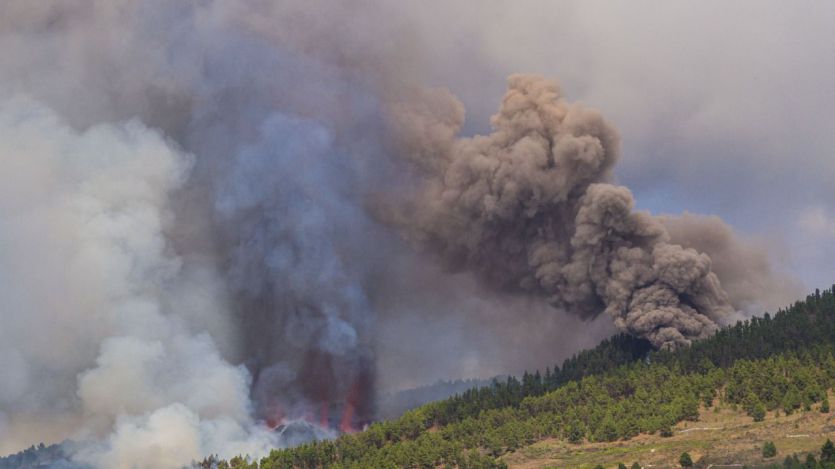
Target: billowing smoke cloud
<point x="88" y="276"/>
<point x="188" y="261"/>
<point x="529" y="208"/>
<point x="745" y="266"/>
<point x="184" y="245"/>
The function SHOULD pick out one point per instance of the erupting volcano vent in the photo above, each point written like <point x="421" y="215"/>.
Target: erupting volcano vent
<point x="334" y="394"/>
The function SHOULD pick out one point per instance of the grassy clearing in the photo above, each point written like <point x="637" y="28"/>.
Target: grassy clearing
<point x="720" y="437"/>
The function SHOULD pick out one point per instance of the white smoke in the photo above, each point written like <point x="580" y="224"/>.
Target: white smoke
<point x="179" y="217"/>
<point x="89" y="273"/>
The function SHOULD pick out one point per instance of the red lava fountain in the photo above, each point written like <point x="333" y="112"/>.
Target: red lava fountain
<point x="346" y="424"/>
<point x="337" y="394"/>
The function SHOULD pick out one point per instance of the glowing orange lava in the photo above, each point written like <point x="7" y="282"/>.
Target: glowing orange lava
<point x="346" y="425"/>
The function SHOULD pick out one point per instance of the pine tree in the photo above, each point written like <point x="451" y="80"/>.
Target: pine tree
<point x="758" y="412"/>
<point x="685" y="460"/>
<point x="828" y="451"/>
<point x="607" y="431"/>
<point x="791" y="400"/>
<point x="575" y="432"/>
<point x="769" y="449"/>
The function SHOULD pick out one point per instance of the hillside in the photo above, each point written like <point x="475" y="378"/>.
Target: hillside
<point x="619" y="391"/>
<point x="723" y="436"/>
<point x="395" y="404"/>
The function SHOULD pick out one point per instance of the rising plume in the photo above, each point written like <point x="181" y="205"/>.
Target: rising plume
<point x="530" y="208"/>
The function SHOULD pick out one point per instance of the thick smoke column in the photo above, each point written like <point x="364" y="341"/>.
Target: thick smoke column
<point x="528" y="208"/>
<point x="184" y="245"/>
<point x="286" y="226"/>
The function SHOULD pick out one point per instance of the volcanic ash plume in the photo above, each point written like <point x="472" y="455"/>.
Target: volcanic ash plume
<point x="528" y="208"/>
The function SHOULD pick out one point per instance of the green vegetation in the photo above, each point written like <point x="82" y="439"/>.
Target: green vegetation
<point x="826" y="459"/>
<point x="614" y="392"/>
<point x="828" y="452"/>
<point x="769" y="449"/>
<point x="685" y="460"/>
<point x="34" y="456"/>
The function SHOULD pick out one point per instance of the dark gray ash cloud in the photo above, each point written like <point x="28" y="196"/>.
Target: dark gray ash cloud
<point x="529" y="208"/>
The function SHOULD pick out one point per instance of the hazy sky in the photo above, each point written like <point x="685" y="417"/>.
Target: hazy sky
<point x="153" y="152"/>
<point x="724" y="108"/>
<point x="188" y="195"/>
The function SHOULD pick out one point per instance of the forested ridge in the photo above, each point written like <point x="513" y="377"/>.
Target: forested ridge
<point x="395" y="404"/>
<point x="775" y="363"/>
